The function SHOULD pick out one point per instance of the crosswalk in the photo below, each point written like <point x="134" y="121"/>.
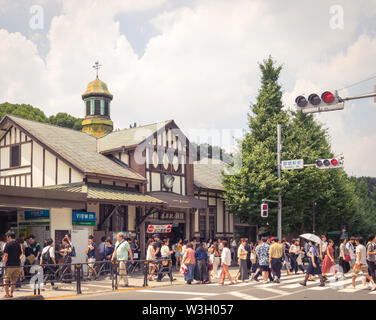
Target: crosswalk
<point x="290" y="285"/>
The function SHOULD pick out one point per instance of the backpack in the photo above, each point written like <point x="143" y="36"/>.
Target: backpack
<point x="46" y="258"/>
<point x="73" y="253"/>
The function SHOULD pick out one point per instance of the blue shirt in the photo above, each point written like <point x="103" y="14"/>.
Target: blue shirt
<point x="201" y="255"/>
<point x="91" y="252"/>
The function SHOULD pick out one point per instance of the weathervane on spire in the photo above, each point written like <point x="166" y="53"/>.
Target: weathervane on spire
<point x="97" y="66"/>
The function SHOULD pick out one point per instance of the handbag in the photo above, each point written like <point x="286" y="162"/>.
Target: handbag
<point x="347" y="258"/>
<point x="210" y="266"/>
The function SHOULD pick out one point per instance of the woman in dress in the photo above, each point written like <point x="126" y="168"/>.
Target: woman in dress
<point x="242" y="256"/>
<point x="329" y="262"/>
<point x="314" y="265"/>
<point x="216" y="258"/>
<point x="344" y="257"/>
<point x="201" y="271"/>
<point x="226" y="263"/>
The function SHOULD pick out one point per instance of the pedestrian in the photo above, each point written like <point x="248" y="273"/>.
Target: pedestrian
<point x="150" y="257"/>
<point x="329" y="262"/>
<point x="225" y="263"/>
<point x="254" y="260"/>
<point x="314" y="265"/>
<point x="216" y="255"/>
<point x="178" y="254"/>
<point x="286" y="256"/>
<point x="121" y="253"/>
<point x="361" y="263"/>
<point x="351" y="248"/>
<point x="263" y="255"/>
<point x="248" y="247"/>
<point x="242" y="256"/>
<point x="299" y="259"/>
<point x="12" y="263"/>
<point x="48" y="260"/>
<point x="21" y="242"/>
<point x="102" y="249"/>
<point x="233" y="250"/>
<point x="108" y="251"/>
<point x="275" y="259"/>
<point x="189" y="261"/>
<point x="371" y="256"/>
<point x="344" y="257"/>
<point x="294" y="252"/>
<point x="166" y="256"/>
<point x="90" y="258"/>
<point x="323" y="246"/>
<point x="66" y="252"/>
<point x="209" y="243"/>
<point x="201" y="267"/>
<point x="185" y="242"/>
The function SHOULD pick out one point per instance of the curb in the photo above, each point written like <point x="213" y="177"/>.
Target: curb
<point x="31" y="297"/>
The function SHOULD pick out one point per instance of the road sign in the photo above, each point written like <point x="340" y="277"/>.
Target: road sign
<point x="292" y="164"/>
<point x="324" y="108"/>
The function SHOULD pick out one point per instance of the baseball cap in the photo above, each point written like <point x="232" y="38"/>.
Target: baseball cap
<point x="156" y="236"/>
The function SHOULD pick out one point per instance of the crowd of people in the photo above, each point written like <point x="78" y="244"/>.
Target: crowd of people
<point x="201" y="261"/>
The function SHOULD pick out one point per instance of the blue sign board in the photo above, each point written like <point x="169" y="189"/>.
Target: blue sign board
<point x="37" y="214"/>
<point x="83" y="218"/>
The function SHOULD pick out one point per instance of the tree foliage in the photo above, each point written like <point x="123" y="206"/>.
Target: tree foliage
<point x="302" y="138"/>
<point x="27" y="111"/>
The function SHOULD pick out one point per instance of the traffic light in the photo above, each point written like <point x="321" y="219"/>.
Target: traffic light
<point x="315" y="103"/>
<point x="264" y="210"/>
<point x="334" y="163"/>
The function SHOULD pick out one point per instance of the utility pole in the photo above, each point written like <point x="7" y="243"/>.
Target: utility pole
<point x="279" y="151"/>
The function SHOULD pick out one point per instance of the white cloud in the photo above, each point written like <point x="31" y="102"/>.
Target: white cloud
<point x="201" y="70"/>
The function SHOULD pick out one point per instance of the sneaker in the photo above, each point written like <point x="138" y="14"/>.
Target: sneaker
<point x="276" y="280"/>
<point x="302" y="283"/>
<point x="374" y="288"/>
<point x="257" y="280"/>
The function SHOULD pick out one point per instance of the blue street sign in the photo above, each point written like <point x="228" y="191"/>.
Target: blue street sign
<point x="37" y="214"/>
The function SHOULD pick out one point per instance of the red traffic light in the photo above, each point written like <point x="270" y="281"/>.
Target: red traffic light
<point x="264" y="207"/>
<point x="328" y="97"/>
<point x="301" y="101"/>
<point x="314" y="99"/>
<point x="334" y="162"/>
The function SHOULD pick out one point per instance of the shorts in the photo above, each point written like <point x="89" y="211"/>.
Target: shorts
<point x="264" y="268"/>
<point x="91" y="262"/>
<point x="11" y="274"/>
<point x="363" y="269"/>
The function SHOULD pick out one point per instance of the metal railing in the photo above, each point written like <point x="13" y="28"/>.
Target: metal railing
<point x="37" y="275"/>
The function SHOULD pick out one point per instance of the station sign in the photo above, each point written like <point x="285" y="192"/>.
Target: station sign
<point x="83" y="218"/>
<point x="36" y="214"/>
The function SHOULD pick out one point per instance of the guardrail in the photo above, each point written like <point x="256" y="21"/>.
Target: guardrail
<point x="38" y="275"/>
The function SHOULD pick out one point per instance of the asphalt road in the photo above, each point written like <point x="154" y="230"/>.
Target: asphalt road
<point x="287" y="289"/>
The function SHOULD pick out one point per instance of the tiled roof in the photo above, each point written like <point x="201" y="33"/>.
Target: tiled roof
<point x="76" y="147"/>
<point x="207" y="174"/>
<point x="107" y="192"/>
<point x="128" y="137"/>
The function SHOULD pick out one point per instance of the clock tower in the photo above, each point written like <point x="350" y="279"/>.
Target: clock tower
<point x="97" y="99"/>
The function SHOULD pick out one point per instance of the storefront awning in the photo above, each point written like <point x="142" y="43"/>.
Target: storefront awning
<point x="179" y="201"/>
<point x="110" y="194"/>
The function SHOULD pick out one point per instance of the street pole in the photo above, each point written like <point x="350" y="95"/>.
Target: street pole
<point x="314" y="218"/>
<point x="279" y="150"/>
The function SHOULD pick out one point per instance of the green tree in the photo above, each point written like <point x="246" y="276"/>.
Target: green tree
<point x="63" y="119"/>
<point x="302" y="138"/>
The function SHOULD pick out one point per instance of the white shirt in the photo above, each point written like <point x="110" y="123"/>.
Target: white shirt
<point x="183" y="249"/>
<point x="350" y="247"/>
<point x="52" y="251"/>
<point x="165" y="251"/>
<point x="226" y="256"/>
<point x="363" y="254"/>
<point x="149" y="255"/>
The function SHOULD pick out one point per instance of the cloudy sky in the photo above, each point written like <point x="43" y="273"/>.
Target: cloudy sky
<point x="194" y="61"/>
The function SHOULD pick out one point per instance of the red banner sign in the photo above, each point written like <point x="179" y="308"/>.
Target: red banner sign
<point x="159" y="228"/>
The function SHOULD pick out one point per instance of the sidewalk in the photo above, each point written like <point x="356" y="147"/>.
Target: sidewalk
<point x="101" y="286"/>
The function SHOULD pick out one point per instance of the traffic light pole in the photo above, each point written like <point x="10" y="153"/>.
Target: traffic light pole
<point x="279" y="151"/>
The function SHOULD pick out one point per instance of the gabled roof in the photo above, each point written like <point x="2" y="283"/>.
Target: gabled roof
<point x="77" y="148"/>
<point x="128" y="137"/>
<point x="208" y="174"/>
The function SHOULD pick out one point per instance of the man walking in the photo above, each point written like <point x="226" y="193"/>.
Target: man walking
<point x="361" y="263"/>
<point x="371" y="256"/>
<point x="275" y="259"/>
<point x="262" y="252"/>
<point x="121" y="253"/>
<point x="350" y="247"/>
<point x="12" y="263"/>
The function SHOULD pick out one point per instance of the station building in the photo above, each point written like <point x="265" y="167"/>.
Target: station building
<point x="141" y="180"/>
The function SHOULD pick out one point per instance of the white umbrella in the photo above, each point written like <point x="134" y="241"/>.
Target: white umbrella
<point x="311" y="237"/>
